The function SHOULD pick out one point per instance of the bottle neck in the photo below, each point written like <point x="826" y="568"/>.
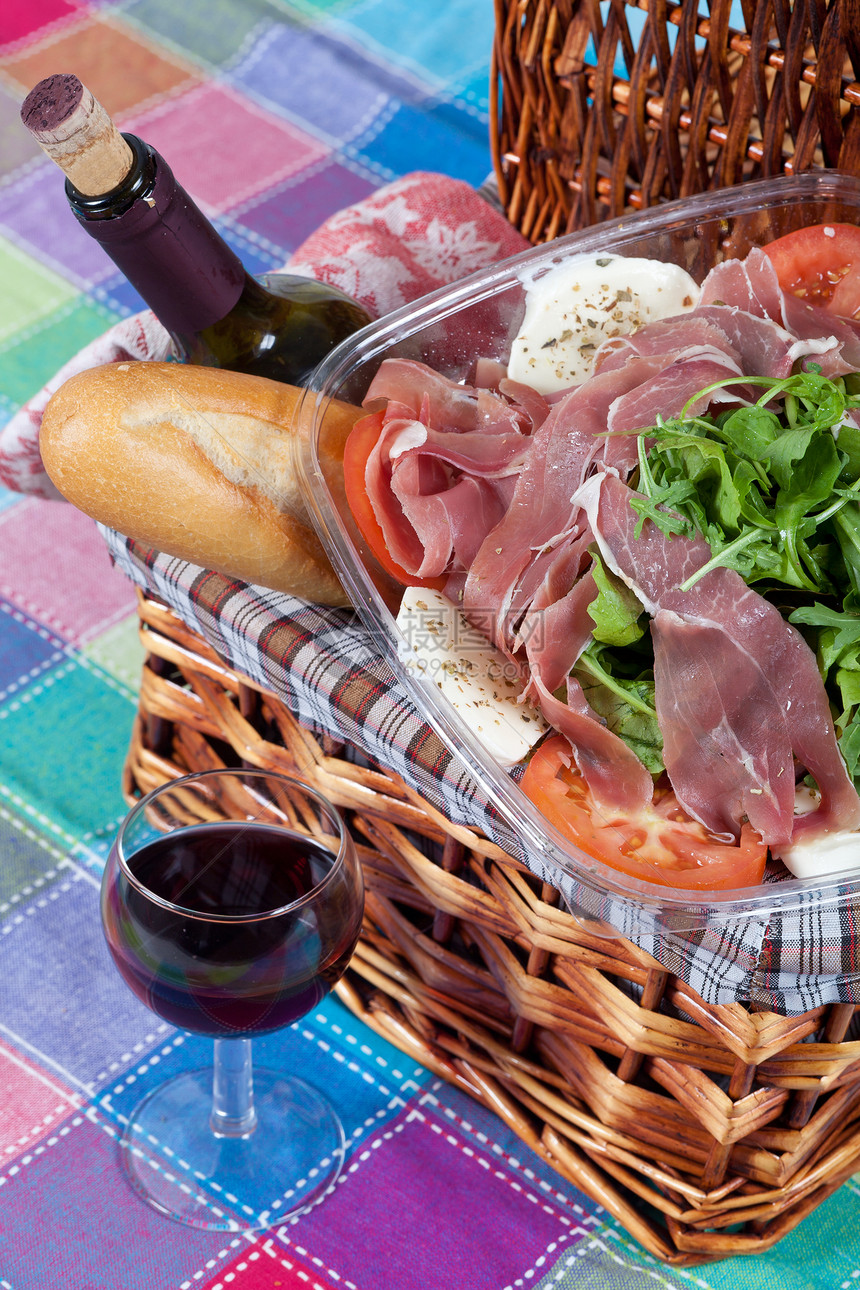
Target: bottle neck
<point x="163" y="244"/>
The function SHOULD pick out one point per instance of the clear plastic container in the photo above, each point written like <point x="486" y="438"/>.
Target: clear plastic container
<point x="782" y="943"/>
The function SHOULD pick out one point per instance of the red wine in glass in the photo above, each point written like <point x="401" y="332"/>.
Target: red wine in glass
<point x="242" y="975"/>
<point x="231" y="903"/>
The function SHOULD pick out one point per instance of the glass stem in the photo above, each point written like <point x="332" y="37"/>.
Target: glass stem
<point x="233" y="1114"/>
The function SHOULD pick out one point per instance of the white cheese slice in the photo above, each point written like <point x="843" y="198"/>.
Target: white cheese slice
<point x="832" y="853"/>
<point x="574" y="307"/>
<point x="475" y="677"/>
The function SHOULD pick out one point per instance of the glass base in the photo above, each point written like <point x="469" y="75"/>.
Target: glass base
<point x="281" y="1168"/>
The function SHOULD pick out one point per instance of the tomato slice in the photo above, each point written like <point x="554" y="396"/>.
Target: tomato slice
<point x="661" y="845"/>
<point x="820" y="264"/>
<point x="360" y="444"/>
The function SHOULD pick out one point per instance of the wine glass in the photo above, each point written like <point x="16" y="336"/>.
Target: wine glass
<point x="231" y="903"/>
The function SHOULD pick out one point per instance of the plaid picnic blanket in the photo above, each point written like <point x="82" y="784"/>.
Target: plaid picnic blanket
<point x="306" y="108"/>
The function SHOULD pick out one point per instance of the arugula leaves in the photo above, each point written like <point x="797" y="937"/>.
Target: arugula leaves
<point x="774" y="488"/>
<point x="837" y="637"/>
<point x="626" y="702"/>
<point x="757" y="482"/>
<point x="617" y="678"/>
<point x="616" y="612"/>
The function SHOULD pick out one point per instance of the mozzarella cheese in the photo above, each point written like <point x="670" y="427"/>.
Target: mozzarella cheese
<point x="572" y="308"/>
<point x="440" y="645"/>
<point x="832" y="853"/>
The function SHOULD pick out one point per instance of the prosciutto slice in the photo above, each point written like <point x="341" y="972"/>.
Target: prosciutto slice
<point x="541" y="516"/>
<point x="418" y="392"/>
<point x="669" y="391"/>
<point x="440" y="476"/>
<point x="618" y="780"/>
<point x="757" y="345"/>
<point x="450" y="523"/>
<point x="738" y="693"/>
<point x="751" y="285"/>
<point x="555" y="631"/>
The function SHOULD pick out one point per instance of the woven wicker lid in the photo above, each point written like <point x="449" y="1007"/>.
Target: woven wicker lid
<point x="595" y="117"/>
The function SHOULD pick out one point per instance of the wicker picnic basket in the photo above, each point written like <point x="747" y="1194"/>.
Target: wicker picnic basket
<point x="597" y="116"/>
<point x="706" y="1130"/>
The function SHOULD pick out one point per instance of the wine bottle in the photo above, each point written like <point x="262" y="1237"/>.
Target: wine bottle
<point x="124" y="194"/>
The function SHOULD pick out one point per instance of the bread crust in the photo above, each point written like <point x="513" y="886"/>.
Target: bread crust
<point x="196" y="462"/>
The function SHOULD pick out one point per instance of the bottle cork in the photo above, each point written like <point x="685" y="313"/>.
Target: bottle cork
<point x="75" y="131"/>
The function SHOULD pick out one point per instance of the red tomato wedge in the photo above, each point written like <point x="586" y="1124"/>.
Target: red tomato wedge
<point x="662" y="845"/>
<point x="820" y="264"/>
<point x="362" y="440"/>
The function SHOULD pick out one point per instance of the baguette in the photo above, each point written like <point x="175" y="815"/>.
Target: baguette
<point x="196" y="462"/>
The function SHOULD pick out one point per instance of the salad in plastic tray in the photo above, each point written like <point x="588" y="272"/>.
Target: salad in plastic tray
<point x="602" y="518"/>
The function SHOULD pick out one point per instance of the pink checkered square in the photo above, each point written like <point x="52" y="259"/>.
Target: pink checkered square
<point x="223" y="148"/>
<point x="23" y="20"/>
<point x="55" y="566"/>
<point x="32" y="1104"/>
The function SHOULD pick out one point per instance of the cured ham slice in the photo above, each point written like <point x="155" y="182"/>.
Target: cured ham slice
<point x="441" y="473"/>
<point x="541" y="516"/>
<point x="557" y="627"/>
<point x="751" y="285"/>
<point x="668" y="392"/>
<point x="420" y="393"/>
<point x="555" y="631"/>
<point x="619" y="782"/>
<point x="450" y="523"/>
<point x="756" y="344"/>
<point x="738" y="693"/>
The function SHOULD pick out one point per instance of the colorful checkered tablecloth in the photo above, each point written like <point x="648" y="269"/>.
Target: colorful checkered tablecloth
<point x="274" y="115"/>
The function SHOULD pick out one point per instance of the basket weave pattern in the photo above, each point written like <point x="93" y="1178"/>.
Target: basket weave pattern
<point x="594" y="118"/>
<point x="731" y="1124"/>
